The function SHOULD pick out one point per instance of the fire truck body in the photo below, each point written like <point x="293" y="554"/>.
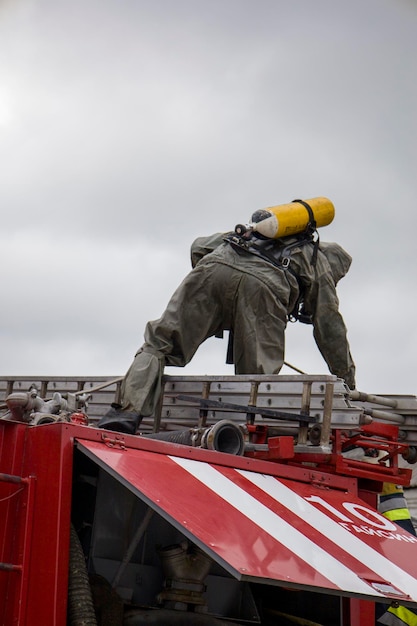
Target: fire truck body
<point x="257" y="508"/>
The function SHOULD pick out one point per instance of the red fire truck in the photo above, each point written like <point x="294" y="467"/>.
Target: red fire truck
<point x="244" y="500"/>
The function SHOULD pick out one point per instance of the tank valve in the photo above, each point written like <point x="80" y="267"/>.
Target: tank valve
<point x="243" y="229"/>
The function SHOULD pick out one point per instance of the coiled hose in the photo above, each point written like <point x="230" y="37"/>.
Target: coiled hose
<point x="80" y="601"/>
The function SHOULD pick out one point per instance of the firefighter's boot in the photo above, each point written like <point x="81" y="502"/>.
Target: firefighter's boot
<point x="119" y="420"/>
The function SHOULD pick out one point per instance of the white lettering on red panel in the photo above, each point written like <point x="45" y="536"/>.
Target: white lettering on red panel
<point x="377" y="525"/>
<point x="334" y="524"/>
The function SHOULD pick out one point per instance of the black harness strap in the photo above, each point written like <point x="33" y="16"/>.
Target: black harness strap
<point x="311" y="228"/>
<point x="312" y="223"/>
<point x="268" y="250"/>
<point x="279" y="257"/>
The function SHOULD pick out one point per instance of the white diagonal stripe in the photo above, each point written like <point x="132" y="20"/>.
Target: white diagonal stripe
<point x="276" y="527"/>
<point x="331" y="529"/>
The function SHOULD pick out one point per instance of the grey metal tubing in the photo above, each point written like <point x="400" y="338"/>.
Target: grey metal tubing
<point x="367" y="397"/>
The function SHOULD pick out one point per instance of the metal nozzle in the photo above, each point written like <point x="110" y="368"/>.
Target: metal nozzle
<point x="224" y="436"/>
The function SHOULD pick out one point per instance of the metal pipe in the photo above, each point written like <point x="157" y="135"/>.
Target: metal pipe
<point x="202" y="422"/>
<point x="327" y="415"/>
<point x="133" y="545"/>
<point x="356" y="395"/>
<point x="294" y="368"/>
<point x="10" y="478"/>
<point x="9" y="567"/>
<point x="385" y="416"/>
<point x="107" y="383"/>
<point x="305" y="411"/>
<point x="253" y="397"/>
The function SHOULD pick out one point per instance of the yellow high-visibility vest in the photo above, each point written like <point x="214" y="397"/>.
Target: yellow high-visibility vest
<point x="392" y="503"/>
<point x="398" y="616"/>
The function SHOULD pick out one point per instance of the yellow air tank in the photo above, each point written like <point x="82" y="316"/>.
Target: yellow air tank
<point x="293" y="218"/>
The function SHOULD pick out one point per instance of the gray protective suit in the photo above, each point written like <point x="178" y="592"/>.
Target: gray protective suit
<point x="229" y="290"/>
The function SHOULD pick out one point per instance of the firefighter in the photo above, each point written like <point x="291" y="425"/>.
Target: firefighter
<point x="393" y="505"/>
<point x="251" y="286"/>
<point x="398" y="615"/>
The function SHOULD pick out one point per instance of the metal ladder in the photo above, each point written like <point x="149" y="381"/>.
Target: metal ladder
<point x="22" y="536"/>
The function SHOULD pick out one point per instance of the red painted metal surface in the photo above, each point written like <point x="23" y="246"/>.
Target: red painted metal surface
<point x="268" y="529"/>
<point x="34" y="523"/>
<point x="13" y="496"/>
<point x="228" y="505"/>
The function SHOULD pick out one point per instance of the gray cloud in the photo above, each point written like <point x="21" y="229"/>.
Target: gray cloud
<point x="127" y="129"/>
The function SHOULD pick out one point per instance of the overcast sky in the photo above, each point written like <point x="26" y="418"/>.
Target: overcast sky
<point x="130" y="127"/>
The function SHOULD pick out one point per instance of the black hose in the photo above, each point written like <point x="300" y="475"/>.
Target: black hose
<point x="80" y="602"/>
<point x="174" y="436"/>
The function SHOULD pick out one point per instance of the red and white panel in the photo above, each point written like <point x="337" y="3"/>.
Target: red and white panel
<point x="268" y="529"/>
